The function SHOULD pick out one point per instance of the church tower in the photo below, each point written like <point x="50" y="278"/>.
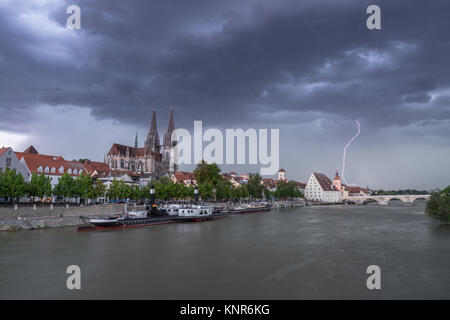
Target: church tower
<point x="168" y="144"/>
<point x="337" y="181"/>
<point x="152" y="142"/>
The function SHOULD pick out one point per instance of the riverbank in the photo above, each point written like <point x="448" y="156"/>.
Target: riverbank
<point x="38" y="223"/>
<point x="34" y="217"/>
<point x="39" y="217"/>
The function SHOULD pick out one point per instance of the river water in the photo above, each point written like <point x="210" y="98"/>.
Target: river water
<point x="319" y="252"/>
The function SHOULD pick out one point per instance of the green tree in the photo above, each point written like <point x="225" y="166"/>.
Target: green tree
<point x="12" y="185"/>
<point x="126" y="191"/>
<point x="65" y="187"/>
<point x="240" y="192"/>
<point x="190" y="192"/>
<point x="172" y="190"/>
<point x="223" y="188"/>
<point x="205" y="190"/>
<point x="113" y="191"/>
<point x="205" y="172"/>
<point x="99" y="189"/>
<point x="287" y="190"/>
<point x="161" y="189"/>
<point x="255" y="187"/>
<point x="83" y="186"/>
<point x="438" y="206"/>
<point x="136" y="193"/>
<point x="39" y="186"/>
<point x="267" y="193"/>
<point x="146" y="191"/>
<point x="180" y="191"/>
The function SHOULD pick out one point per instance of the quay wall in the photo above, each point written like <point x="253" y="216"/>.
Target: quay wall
<point x="26" y="217"/>
<point x="27" y="211"/>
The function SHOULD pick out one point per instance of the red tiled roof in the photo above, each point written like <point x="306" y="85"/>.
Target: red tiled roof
<point x="122" y="172"/>
<point x="269" y="183"/>
<point x="301" y="184"/>
<point x="120" y="149"/>
<point x="100" y="167"/>
<point x="34" y="161"/>
<point x="358" y="190"/>
<point x="325" y="182"/>
<point x="182" y="176"/>
<point x="31" y="150"/>
<point x="281" y="170"/>
<point x="354" y="189"/>
<point x="3" y="150"/>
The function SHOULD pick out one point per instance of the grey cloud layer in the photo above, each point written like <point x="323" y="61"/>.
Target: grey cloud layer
<point x="307" y="67"/>
<point x="221" y="58"/>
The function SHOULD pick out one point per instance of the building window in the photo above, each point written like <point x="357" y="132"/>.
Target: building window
<point x="47" y="169"/>
<point x="39" y="169"/>
<point x="53" y="170"/>
<point x="69" y="171"/>
<point x="8" y="162"/>
<point x="75" y="171"/>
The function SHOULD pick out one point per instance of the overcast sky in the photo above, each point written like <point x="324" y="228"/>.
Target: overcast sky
<point x="310" y="68"/>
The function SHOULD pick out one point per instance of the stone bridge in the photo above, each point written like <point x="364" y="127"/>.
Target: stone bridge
<point x="384" y="200"/>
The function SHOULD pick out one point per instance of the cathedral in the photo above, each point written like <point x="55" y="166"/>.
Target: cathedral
<point x="149" y="159"/>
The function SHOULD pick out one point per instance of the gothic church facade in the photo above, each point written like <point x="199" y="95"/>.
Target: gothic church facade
<point x="150" y="159"/>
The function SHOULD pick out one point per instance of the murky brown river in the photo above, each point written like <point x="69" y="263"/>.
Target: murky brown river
<point x="301" y="253"/>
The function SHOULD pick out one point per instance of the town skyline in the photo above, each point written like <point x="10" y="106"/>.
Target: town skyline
<point x="297" y="66"/>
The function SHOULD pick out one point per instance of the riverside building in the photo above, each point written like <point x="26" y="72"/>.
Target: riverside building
<point x="320" y="188"/>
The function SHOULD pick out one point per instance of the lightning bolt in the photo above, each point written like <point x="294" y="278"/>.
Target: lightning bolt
<point x="346" y="146"/>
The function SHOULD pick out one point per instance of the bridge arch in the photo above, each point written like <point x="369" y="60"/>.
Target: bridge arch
<point x="396" y="199"/>
<point x="422" y="199"/>
<point x="370" y="200"/>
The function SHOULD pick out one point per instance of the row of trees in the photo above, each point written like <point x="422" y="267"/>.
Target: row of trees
<point x="13" y="186"/>
<point x="209" y="180"/>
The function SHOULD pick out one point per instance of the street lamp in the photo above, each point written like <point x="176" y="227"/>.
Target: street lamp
<point x="196" y="194"/>
<point x="152" y="195"/>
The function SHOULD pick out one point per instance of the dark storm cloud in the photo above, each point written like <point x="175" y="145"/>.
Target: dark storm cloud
<point x="225" y="61"/>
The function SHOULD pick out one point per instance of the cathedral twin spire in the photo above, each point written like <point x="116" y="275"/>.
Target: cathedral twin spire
<point x="167" y="143"/>
<point x="152" y="143"/>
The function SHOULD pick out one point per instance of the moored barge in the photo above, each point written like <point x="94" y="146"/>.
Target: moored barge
<point x="250" y="208"/>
